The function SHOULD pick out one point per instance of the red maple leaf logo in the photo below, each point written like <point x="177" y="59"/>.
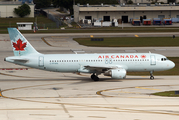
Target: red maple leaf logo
<point x="19" y="46"/>
<point x="143" y="56"/>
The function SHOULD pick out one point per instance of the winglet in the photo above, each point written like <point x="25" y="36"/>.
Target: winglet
<point x="20" y="44"/>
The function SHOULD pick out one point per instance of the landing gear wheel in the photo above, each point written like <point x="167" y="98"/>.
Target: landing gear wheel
<point x="94" y="77"/>
<point x="151" y="77"/>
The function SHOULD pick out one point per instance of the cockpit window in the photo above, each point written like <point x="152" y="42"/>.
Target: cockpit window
<point x="164" y="59"/>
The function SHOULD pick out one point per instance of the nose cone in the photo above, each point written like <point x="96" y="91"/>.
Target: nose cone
<point x="171" y="65"/>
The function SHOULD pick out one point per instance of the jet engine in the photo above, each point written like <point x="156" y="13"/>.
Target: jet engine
<point x="116" y="73"/>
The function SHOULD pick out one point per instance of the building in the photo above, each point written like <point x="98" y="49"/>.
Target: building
<point x="29" y="1"/>
<point x="7" y="9"/>
<point x="144" y="1"/>
<point x="125" y="12"/>
<point x="25" y="25"/>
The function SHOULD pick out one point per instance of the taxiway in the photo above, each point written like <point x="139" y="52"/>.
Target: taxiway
<point x="35" y="95"/>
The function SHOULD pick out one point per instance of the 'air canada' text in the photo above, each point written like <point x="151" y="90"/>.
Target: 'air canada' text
<point x="120" y="56"/>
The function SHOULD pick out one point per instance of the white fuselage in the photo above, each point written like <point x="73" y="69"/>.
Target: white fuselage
<point x="115" y="65"/>
<point x="76" y="62"/>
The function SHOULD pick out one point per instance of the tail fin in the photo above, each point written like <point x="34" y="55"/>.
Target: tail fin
<point x="20" y="44"/>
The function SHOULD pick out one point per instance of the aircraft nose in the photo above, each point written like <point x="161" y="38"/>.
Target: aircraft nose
<point x="171" y="65"/>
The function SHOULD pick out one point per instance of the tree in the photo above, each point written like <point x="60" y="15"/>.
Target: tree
<point x="68" y="4"/>
<point x="22" y="10"/>
<point x="171" y="1"/>
<point x="130" y="2"/>
<point x="42" y="3"/>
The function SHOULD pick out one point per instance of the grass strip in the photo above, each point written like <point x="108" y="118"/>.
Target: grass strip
<point x="130" y="42"/>
<point x="166" y="94"/>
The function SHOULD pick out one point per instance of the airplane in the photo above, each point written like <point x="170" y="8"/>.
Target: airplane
<point x="115" y="65"/>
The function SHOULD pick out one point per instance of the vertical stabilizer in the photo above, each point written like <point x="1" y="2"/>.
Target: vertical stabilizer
<point x="19" y="43"/>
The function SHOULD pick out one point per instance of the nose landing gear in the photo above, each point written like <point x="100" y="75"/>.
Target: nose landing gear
<point x="94" y="77"/>
<point x="151" y="75"/>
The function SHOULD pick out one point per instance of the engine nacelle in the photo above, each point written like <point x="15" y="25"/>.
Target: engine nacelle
<point x="116" y="73"/>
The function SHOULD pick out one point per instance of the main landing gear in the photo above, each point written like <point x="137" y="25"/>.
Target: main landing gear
<point x="94" y="77"/>
<point x="151" y="75"/>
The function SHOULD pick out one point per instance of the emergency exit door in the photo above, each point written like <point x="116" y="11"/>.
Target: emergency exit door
<point x="41" y="61"/>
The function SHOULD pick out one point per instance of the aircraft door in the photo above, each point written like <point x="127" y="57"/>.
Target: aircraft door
<point x="152" y="60"/>
<point x="41" y="61"/>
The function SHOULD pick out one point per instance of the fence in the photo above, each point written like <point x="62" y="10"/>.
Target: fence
<point x="56" y="21"/>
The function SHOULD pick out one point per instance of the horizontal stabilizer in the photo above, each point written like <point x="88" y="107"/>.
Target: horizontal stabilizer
<point x="22" y="60"/>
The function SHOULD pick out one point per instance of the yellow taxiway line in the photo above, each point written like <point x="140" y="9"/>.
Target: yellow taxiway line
<point x="136" y="36"/>
<point x="0" y="93"/>
<point x="148" y="88"/>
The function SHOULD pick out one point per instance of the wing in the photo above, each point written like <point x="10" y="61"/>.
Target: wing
<point x="102" y="69"/>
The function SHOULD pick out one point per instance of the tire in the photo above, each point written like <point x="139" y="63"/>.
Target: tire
<point x="152" y="77"/>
